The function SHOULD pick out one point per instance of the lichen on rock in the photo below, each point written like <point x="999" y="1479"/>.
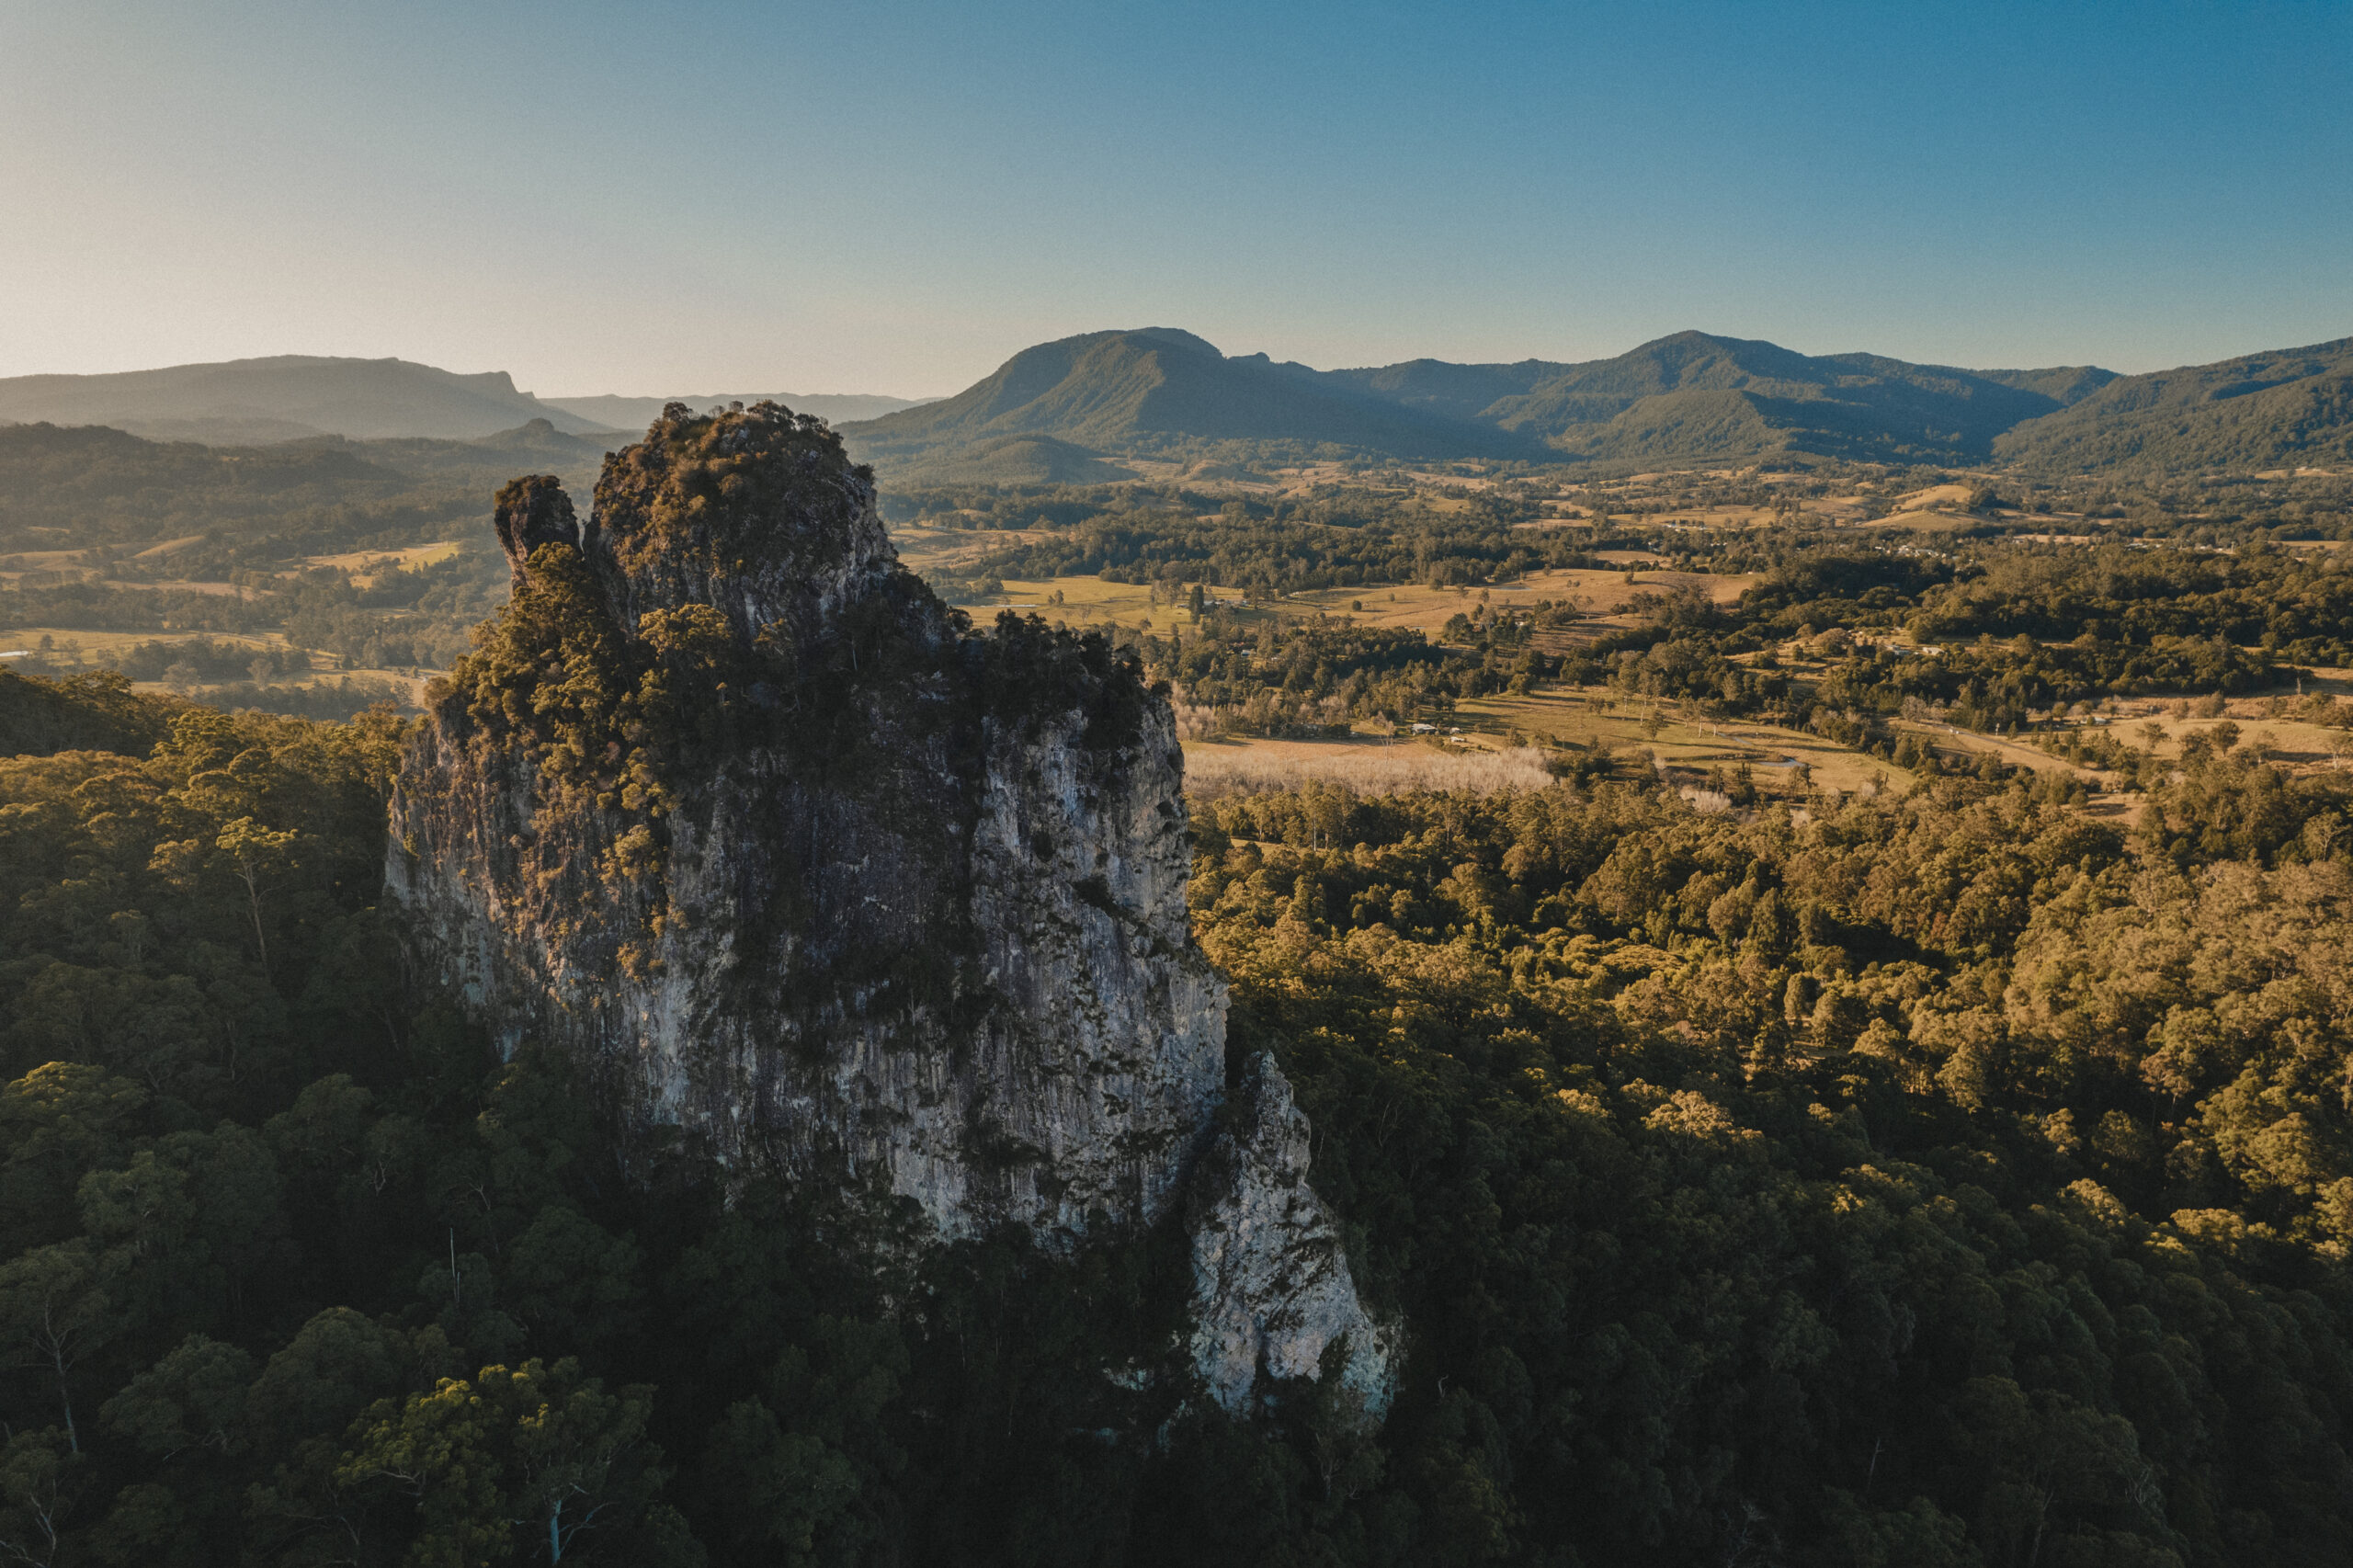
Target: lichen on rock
<point x="727" y="804"/>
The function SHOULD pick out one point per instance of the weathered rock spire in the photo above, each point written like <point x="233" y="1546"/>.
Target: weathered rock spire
<point x="727" y="803"/>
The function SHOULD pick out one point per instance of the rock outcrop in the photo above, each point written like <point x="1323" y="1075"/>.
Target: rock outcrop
<point x="1272" y="1293"/>
<point x="729" y="805"/>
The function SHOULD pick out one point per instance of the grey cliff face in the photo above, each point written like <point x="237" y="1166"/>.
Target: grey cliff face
<point x="731" y="807"/>
<point x="1271" y="1287"/>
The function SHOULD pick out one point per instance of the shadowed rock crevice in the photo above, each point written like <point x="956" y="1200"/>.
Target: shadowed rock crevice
<point x="728" y="805"/>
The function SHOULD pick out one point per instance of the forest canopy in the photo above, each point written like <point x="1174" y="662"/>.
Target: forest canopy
<point x="1933" y="1175"/>
<point x="1942" y="1179"/>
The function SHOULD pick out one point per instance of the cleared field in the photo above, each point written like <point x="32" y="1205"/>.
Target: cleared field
<point x="363" y="564"/>
<point x="182" y="585"/>
<point x="1603" y="596"/>
<point x="1947" y="738"/>
<point x="66" y="639"/>
<point x="42" y="560"/>
<point x="2290" y="742"/>
<point x="1086" y="601"/>
<point x="411" y="687"/>
<point x="1584" y="718"/>
<point x="1597" y="592"/>
<point x="1368" y="766"/>
<point x="70" y="647"/>
<point x="1926" y="519"/>
<point x="935" y="549"/>
<point x="1933" y="496"/>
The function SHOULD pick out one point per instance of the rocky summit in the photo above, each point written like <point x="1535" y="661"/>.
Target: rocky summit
<point x="729" y="806"/>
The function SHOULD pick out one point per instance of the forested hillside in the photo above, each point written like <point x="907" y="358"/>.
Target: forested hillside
<point x="1157" y="388"/>
<point x="88" y="488"/>
<point x="1687" y="397"/>
<point x="260" y="576"/>
<point x="1944" y="1179"/>
<point x="2291" y="406"/>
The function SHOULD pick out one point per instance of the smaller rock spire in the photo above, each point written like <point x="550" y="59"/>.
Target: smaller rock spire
<point x="531" y="512"/>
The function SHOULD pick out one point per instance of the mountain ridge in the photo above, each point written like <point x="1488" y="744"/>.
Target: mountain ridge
<point x="2253" y="410"/>
<point x="1075" y="409"/>
<point x="1145" y="389"/>
<point x="282" y="397"/>
<point x="1689" y="395"/>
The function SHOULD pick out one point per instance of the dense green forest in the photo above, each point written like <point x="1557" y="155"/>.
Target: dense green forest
<point x="1938" y="1180"/>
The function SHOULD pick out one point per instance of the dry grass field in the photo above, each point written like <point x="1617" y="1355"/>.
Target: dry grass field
<point x="1370" y="766"/>
<point x="1085" y="601"/>
<point x="1602" y="596"/>
<point x="1594" y="717"/>
<point x="1583" y="720"/>
<point x="2291" y="744"/>
<point x="66" y="640"/>
<point x="362" y="564"/>
<point x="937" y="550"/>
<point x="69" y="647"/>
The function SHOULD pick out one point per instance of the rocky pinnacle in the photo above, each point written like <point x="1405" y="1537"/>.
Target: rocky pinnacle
<point x="727" y="803"/>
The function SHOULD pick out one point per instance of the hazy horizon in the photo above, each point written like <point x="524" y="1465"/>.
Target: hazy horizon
<point x="891" y="199"/>
<point x="698" y="397"/>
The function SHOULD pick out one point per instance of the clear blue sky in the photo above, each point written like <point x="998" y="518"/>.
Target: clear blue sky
<point x="666" y="198"/>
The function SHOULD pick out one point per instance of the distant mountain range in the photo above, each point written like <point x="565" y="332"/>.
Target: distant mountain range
<point x="254" y="401"/>
<point x="1131" y="393"/>
<point x="1080" y="410"/>
<point x="250" y="401"/>
<point x="71" y="486"/>
<point x="2284" y="406"/>
<point x="1160" y="392"/>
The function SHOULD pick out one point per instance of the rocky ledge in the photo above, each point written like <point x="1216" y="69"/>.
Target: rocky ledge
<point x="728" y="805"/>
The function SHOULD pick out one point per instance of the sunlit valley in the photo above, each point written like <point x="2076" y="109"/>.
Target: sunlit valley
<point x="908" y="786"/>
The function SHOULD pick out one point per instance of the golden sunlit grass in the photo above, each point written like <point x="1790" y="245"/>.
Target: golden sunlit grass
<point x="1947" y="738"/>
<point x="42" y="560"/>
<point x="376" y="560"/>
<point x="1584" y="718"/>
<point x="67" y="639"/>
<point x="187" y="585"/>
<point x="1926" y="521"/>
<point x="1086" y="601"/>
<point x="2290" y="742"/>
<point x="1933" y="496"/>
<point x="1213" y="768"/>
<point x="409" y="688"/>
<point x="1090" y="601"/>
<point x="1598" y="593"/>
<point x="934" y="549"/>
<point x="69" y="647"/>
<point x="364" y="563"/>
